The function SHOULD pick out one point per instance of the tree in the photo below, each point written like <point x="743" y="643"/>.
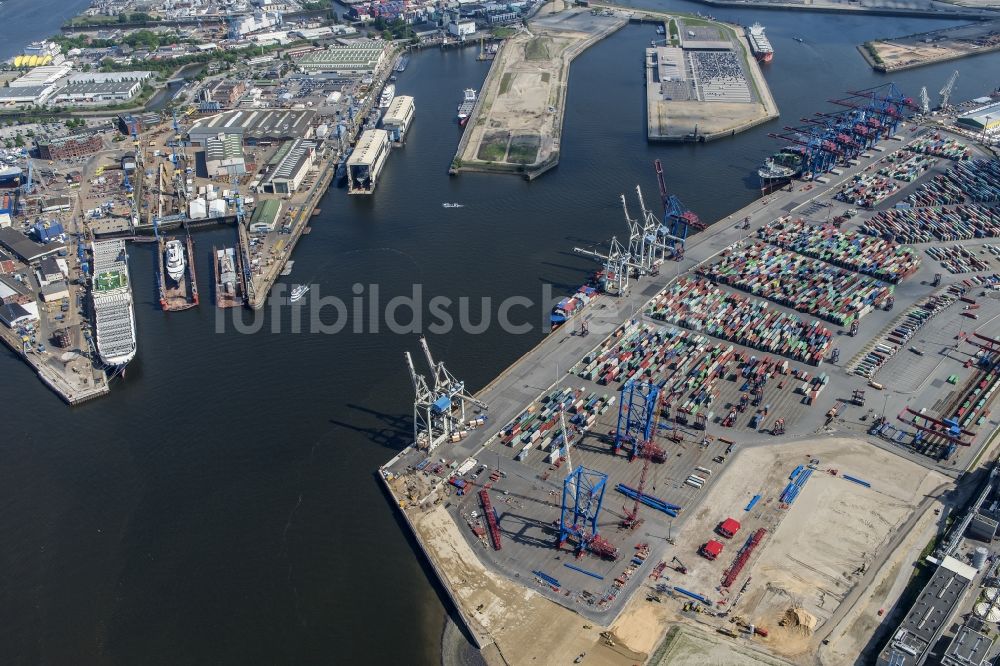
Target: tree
<point x="18" y="141"/>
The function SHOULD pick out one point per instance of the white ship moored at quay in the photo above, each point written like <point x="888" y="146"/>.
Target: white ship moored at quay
<point x="114" y="313"/>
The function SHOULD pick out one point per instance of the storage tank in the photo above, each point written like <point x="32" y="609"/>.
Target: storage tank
<point x="197" y="209"/>
<point x="979" y="556"/>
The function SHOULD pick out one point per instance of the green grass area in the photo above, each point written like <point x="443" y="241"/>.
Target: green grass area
<point x="492" y="148"/>
<point x="537" y="49"/>
<point x="524" y="149"/>
<point x="503" y="32"/>
<point x="506" y="82"/>
<point x="111" y="280"/>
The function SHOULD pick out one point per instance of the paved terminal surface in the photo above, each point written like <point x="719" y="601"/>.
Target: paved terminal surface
<point x="526" y="497"/>
<point x="694" y="94"/>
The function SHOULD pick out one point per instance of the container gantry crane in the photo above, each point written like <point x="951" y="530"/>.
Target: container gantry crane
<point x="678" y="221"/>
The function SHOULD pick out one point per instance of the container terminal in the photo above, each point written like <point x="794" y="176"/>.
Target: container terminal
<point x="747" y="414"/>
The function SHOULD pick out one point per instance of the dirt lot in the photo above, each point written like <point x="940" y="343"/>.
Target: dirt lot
<point x="688" y="646"/>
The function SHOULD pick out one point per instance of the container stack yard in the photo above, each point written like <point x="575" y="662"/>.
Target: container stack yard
<point x="848" y="349"/>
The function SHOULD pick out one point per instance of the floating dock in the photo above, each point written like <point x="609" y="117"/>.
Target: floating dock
<point x="182" y="295"/>
<point x="228" y="285"/>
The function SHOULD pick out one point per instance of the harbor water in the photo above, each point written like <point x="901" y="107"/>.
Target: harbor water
<point x="221" y="505"/>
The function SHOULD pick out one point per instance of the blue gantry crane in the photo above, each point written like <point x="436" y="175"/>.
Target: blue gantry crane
<point x="636" y="409"/>
<point x="582" y="498"/>
<point x="678" y="221"/>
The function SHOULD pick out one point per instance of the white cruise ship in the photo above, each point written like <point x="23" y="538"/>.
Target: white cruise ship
<point x="387" y="94"/>
<point x="111" y="290"/>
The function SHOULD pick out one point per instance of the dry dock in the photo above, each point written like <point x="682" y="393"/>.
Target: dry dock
<point x="227" y="268"/>
<point x="513" y="588"/>
<point x="182" y="294"/>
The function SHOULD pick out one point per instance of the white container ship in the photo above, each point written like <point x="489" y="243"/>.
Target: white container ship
<point x="114" y="314"/>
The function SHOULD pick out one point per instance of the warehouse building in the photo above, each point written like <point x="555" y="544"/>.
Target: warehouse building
<point x="288" y="174"/>
<point x="984" y="118"/>
<point x="256" y="126"/>
<point x="69" y="146"/>
<point x="224" y="156"/>
<point x="361" y="57"/>
<point x="97" y="94"/>
<point x="41" y="76"/>
<point x="31" y="96"/>
<point x="398" y="117"/>
<point x="265" y="216"/>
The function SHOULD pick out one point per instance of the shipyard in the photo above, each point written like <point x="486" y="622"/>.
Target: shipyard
<point x="692" y="445"/>
<point x="751" y="419"/>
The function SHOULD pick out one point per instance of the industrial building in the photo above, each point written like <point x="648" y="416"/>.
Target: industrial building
<point x="288" y="174"/>
<point x="13" y="315"/>
<point x="398" y="117"/>
<point x="985" y="118"/>
<point x="462" y="28"/>
<point x="969" y="647"/>
<point x="257" y="126"/>
<point x="56" y="291"/>
<point x="929" y="616"/>
<point x="224" y="156"/>
<point x="366" y="162"/>
<point x="265" y="216"/>
<point x="100" y="93"/>
<point x="361" y="57"/>
<point x="226" y="93"/>
<point x="69" y="146"/>
<point x="12" y="291"/>
<point x="29" y="96"/>
<point x="136" y="124"/>
<point x="24" y="248"/>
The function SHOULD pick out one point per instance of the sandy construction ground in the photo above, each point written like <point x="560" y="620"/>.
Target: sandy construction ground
<point x="518" y="121"/>
<point x="814" y="552"/>
<point x="526" y="627"/>
<point x="926" y="48"/>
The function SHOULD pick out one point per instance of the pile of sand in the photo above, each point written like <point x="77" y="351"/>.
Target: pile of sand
<point x="799" y="618"/>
